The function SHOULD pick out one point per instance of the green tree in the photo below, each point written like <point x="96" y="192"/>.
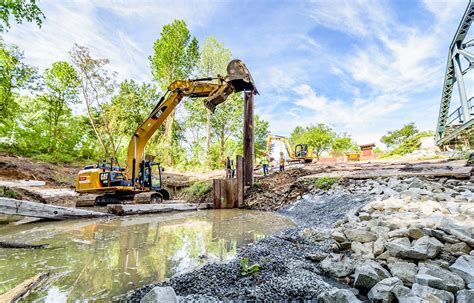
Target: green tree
<point x="129" y="107"/>
<point x="62" y="85"/>
<point x="175" y="56"/>
<point x="20" y="10"/>
<point x="227" y="120"/>
<point x="214" y="59"/>
<point x="97" y="86"/>
<point x="396" y="137"/>
<point x="404" y="140"/>
<point x="261" y="132"/>
<point x="320" y="137"/>
<point x="343" y="143"/>
<point x="14" y="75"/>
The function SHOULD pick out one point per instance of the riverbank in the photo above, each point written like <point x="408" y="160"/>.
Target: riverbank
<point x="392" y="238"/>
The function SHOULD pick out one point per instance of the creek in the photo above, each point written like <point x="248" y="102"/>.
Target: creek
<point x="99" y="259"/>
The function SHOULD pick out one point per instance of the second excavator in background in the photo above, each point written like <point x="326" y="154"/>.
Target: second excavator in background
<point x="140" y="180"/>
<point x="300" y="153"/>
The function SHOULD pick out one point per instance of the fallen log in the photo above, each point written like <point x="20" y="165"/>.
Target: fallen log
<point x="47" y="211"/>
<point x="22" y="290"/>
<point x="135" y="209"/>
<point x="21" y="245"/>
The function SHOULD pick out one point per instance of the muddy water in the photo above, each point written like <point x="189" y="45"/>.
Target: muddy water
<point x="95" y="260"/>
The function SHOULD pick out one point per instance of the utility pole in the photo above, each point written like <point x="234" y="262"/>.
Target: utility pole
<point x="248" y="135"/>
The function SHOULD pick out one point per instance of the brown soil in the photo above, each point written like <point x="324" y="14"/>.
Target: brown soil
<point x="20" y="168"/>
<point x="277" y="190"/>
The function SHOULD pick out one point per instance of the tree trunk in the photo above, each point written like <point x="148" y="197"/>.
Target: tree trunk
<point x="222" y="142"/>
<point x="167" y="143"/>
<point x="91" y="119"/>
<point x="208" y="136"/>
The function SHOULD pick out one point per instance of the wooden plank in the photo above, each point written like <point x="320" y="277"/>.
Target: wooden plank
<point x="21" y="291"/>
<point x="47" y="211"/>
<point x="217" y="193"/>
<point x="134" y="209"/>
<point x="458" y="173"/>
<point x="248" y="136"/>
<point x="240" y="181"/>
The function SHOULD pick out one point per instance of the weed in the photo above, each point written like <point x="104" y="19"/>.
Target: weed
<point x="198" y="189"/>
<point x="9" y="193"/>
<point x="325" y="182"/>
<point x="247" y="269"/>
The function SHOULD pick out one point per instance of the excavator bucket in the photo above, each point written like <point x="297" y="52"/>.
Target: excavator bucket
<point x="239" y="78"/>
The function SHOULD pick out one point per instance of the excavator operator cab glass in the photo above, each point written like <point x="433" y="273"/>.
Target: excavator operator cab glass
<point x="155" y="176"/>
<point x="301" y="150"/>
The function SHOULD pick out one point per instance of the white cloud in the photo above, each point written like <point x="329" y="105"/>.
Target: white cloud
<point x="393" y="61"/>
<point x="80" y="22"/>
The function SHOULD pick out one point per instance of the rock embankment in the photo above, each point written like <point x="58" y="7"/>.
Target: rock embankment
<point x="413" y="243"/>
<point x="378" y="240"/>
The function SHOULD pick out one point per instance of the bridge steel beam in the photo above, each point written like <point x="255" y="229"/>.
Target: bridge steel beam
<point x="455" y="73"/>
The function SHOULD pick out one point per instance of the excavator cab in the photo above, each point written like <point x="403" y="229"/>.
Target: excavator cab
<point x="301" y="150"/>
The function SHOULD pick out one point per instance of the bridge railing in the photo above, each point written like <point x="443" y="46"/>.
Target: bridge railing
<point x="457" y="116"/>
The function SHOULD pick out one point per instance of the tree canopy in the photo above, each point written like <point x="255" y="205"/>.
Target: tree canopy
<point x="20" y="10"/>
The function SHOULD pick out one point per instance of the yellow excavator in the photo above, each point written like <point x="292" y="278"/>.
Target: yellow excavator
<point x="301" y="152"/>
<point x="140" y="180"/>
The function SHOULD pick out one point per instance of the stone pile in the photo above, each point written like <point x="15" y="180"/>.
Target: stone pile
<point x="413" y="243"/>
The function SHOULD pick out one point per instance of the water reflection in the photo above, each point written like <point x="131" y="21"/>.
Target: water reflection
<point x="99" y="259"/>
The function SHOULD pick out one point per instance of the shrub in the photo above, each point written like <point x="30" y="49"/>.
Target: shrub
<point x="198" y="189"/>
<point x="325" y="182"/>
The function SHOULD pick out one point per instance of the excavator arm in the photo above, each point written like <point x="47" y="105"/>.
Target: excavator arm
<point x="271" y="138"/>
<point x="215" y="90"/>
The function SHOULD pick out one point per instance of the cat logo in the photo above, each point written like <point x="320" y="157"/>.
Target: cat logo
<point x="104" y="176"/>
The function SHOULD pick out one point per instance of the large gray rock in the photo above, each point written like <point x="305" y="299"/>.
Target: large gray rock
<point x="360" y="235"/>
<point x="382" y="291"/>
<point x="422" y="249"/>
<point x="338" y="295"/>
<point x="369" y="274"/>
<point x="465" y="296"/>
<point x="437" y="277"/>
<point x="406" y="295"/>
<point x="457" y="249"/>
<point x="160" y="295"/>
<point x="458" y="232"/>
<point x="432" y="295"/>
<point x="365" y="250"/>
<point x="428" y="245"/>
<point x="337" y="265"/>
<point x="404" y="270"/>
<point x="464" y="267"/>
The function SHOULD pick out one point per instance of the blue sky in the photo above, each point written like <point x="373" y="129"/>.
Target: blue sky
<point x="363" y="67"/>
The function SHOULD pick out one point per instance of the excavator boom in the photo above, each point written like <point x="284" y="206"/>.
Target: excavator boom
<point x="215" y="90"/>
<point x="106" y="184"/>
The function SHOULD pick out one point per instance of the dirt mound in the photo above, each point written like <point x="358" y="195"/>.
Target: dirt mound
<point x="277" y="190"/>
<point x="20" y="168"/>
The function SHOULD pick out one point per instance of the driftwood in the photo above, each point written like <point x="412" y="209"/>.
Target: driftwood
<point x="134" y="209"/>
<point x="4" y="244"/>
<point x="22" y="290"/>
<point x="47" y="211"/>
<point x="453" y="169"/>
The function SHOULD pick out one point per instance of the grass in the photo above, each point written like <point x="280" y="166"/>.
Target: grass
<point x="9" y="193"/>
<point x="198" y="189"/>
<point x="325" y="182"/>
